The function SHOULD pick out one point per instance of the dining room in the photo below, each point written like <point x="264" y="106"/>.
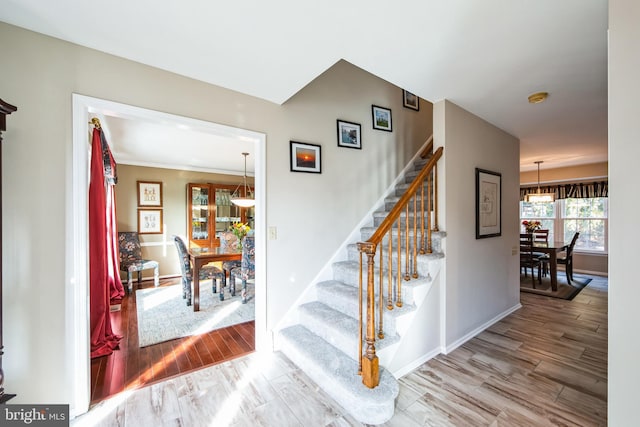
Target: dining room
<point x="564" y="228"/>
<point x="164" y="333"/>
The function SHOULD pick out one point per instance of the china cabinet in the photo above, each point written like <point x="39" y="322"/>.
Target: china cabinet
<point x="210" y="212"/>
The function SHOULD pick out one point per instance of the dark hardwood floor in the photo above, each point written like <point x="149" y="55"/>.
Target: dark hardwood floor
<point x="131" y="367"/>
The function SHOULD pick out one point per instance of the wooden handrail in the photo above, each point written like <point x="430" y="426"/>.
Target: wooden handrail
<point x="377" y="236"/>
<point x="368" y="362"/>
<point x="428" y="149"/>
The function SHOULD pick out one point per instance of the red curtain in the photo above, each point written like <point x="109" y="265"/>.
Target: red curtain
<point x="105" y="286"/>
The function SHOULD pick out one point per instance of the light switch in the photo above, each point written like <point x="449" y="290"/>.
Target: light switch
<point x="273" y="233"/>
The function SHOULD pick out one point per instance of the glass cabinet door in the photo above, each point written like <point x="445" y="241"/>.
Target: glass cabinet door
<point x="200" y="227"/>
<point x="226" y="212"/>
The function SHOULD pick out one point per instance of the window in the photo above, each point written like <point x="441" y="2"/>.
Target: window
<point x="539" y="211"/>
<point x="589" y="217"/>
<point x="564" y="217"/>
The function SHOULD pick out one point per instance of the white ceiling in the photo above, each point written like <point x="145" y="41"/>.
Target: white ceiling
<point x="485" y="56"/>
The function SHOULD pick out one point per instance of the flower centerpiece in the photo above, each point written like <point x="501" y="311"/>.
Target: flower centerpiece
<point x="531" y="226"/>
<point x="240" y="229"/>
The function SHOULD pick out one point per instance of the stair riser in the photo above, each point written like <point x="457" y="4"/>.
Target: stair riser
<point x="378" y="219"/>
<point x="344" y="340"/>
<point x="350" y="276"/>
<point x="350" y="308"/>
<point x="368" y="406"/>
<point x="436" y="239"/>
<point x="391" y="202"/>
<point x="353" y="254"/>
<point x="401" y="188"/>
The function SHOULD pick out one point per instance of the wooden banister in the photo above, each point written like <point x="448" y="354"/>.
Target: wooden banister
<point x="368" y="361"/>
<point x="406" y="197"/>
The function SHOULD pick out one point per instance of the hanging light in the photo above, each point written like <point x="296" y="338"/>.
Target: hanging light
<point x="243" y="197"/>
<point x="539" y="197"/>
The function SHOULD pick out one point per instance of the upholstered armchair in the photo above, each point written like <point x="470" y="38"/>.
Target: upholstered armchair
<point x="247" y="269"/>
<point x="131" y="259"/>
<point x="229" y="241"/>
<point x="206" y="271"/>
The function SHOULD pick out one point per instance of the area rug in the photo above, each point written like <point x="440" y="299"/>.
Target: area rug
<point x="565" y="290"/>
<point x="163" y="315"/>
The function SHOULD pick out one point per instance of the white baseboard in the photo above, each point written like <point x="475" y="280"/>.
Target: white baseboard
<point x="449" y="348"/>
<point x="415" y="364"/>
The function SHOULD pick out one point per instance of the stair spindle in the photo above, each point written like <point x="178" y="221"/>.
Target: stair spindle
<point x="380" y="298"/>
<point x="368" y="361"/>
<point x="415" y="237"/>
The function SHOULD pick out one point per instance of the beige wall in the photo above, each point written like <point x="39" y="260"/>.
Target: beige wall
<point x="160" y="247"/>
<point x="313" y="213"/>
<point x="590" y="172"/>
<point x="482" y="275"/>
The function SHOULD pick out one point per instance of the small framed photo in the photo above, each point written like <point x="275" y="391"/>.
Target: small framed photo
<point x="149" y="194"/>
<point x="349" y="134"/>
<point x="150" y="221"/>
<point x="305" y="157"/>
<point x="381" y="118"/>
<point x="410" y="100"/>
<point x="488" y="204"/>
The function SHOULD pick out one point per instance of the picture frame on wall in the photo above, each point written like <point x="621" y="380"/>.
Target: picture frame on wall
<point x="488" y="204"/>
<point x="409" y="100"/>
<point x="149" y="193"/>
<point x="304" y="157"/>
<point x="381" y="118"/>
<point x="349" y="134"/>
<point x="150" y="221"/>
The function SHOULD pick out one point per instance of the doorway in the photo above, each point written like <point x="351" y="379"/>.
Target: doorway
<point x="77" y="273"/>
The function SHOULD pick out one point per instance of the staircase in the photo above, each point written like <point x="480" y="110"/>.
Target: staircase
<point x="324" y="341"/>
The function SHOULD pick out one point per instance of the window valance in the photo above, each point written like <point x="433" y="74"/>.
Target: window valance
<point x="571" y="191"/>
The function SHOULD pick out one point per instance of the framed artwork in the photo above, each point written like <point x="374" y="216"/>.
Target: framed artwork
<point x="488" y="204"/>
<point x="149" y="194"/>
<point x="410" y="100"/>
<point x="381" y="118"/>
<point x="304" y="157"/>
<point x="150" y="221"/>
<point x="349" y="134"/>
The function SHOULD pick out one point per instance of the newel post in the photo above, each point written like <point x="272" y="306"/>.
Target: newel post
<point x="370" y="369"/>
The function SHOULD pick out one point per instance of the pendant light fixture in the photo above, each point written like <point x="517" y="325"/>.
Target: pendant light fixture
<point x="539" y="197"/>
<point x="243" y="196"/>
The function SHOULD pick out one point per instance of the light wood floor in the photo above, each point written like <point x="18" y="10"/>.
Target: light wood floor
<point x="544" y="365"/>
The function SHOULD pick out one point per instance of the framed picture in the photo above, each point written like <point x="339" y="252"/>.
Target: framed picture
<point x="349" y="134"/>
<point x="488" y="204"/>
<point x="150" y="221"/>
<point x="410" y="100"/>
<point x="304" y="157"/>
<point x="149" y="193"/>
<point x="381" y="118"/>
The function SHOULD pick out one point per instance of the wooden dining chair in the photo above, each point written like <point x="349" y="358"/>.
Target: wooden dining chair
<point x="528" y="260"/>
<point x="542" y="236"/>
<point x="567" y="258"/>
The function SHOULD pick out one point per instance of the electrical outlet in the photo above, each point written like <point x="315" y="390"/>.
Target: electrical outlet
<point x="514" y="250"/>
<point x="273" y="233"/>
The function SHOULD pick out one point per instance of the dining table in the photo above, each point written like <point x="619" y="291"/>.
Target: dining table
<point x="552" y="248"/>
<point x="200" y="256"/>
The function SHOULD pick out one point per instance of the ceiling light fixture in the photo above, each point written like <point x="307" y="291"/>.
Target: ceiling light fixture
<point x="539" y="197"/>
<point x="538" y="97"/>
<point x="243" y="197"/>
